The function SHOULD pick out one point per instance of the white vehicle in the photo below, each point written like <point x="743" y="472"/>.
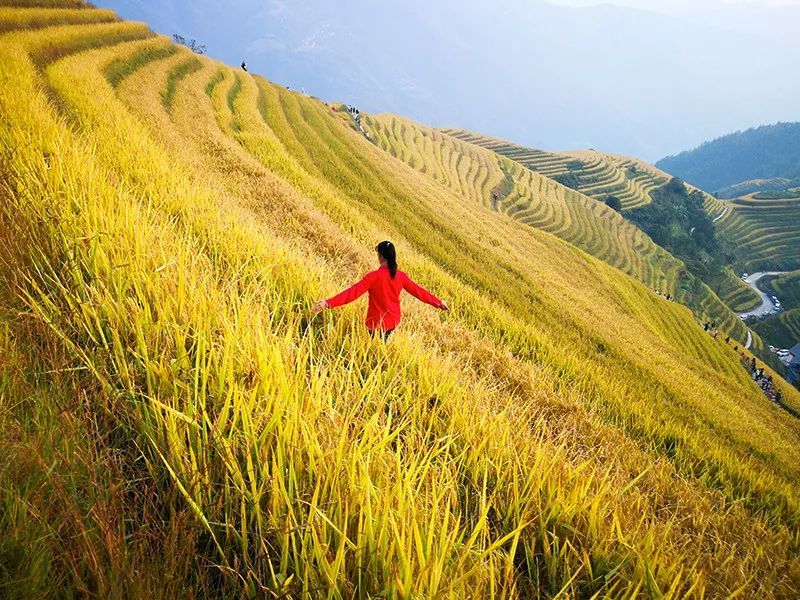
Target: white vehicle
<point x="783" y="353"/>
<point x="744" y="276"/>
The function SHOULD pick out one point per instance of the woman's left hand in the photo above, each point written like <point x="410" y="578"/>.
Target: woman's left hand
<point x="319" y="306"/>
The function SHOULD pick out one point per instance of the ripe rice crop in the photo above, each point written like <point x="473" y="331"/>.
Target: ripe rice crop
<point x="175" y="423"/>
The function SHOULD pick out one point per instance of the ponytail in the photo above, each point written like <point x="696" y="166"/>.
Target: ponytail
<point x="386" y="251"/>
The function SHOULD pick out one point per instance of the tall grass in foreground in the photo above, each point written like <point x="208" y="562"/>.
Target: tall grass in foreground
<point x="158" y="268"/>
<point x="371" y="493"/>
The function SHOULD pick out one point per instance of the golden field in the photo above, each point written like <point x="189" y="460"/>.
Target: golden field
<point x="176" y="423"/>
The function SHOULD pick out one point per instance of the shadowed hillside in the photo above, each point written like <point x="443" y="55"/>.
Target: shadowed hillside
<point x="175" y="422"/>
<point x="763" y="153"/>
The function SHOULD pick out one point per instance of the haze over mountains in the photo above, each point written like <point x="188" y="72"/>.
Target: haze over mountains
<point x="547" y="76"/>
<point x="765" y="157"/>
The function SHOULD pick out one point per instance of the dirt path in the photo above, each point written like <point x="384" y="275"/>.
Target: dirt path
<point x="722" y="214"/>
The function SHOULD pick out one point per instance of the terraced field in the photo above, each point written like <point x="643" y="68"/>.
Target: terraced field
<point x="783" y="330"/>
<point x="476" y="173"/>
<point x="595" y="174"/>
<point x="787" y="287"/>
<point x="735" y="293"/>
<point x="767" y="232"/>
<point x="174" y="422"/>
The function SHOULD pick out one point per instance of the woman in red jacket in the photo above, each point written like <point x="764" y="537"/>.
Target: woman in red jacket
<point x="384" y="286"/>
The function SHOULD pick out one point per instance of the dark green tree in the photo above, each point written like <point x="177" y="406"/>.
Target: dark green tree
<point x="614" y="202"/>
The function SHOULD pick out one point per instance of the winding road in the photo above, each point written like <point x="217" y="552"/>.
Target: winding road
<point x="722" y="214"/>
<point x="766" y="306"/>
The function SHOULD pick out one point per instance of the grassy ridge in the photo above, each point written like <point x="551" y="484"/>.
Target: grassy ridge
<point x="18" y="18"/>
<point x="736" y="293"/>
<point x="48" y="4"/>
<point x="765" y="231"/>
<point x="593" y="173"/>
<point x="470" y="171"/>
<point x="600" y="175"/>
<point x="522" y="447"/>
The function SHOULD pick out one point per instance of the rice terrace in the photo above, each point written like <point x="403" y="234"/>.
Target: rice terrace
<point x="182" y="416"/>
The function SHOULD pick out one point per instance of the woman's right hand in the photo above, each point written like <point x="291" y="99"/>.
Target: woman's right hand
<point x="443" y="306"/>
<point x="319" y="306"/>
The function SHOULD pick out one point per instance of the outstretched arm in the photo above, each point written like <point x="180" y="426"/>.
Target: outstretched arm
<point x="352" y="293"/>
<point x="420" y="293"/>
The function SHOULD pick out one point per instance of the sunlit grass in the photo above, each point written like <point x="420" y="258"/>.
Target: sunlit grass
<point x="766" y="231"/>
<point x="562" y="431"/>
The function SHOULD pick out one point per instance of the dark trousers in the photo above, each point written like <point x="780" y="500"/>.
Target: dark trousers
<point x="384" y="334"/>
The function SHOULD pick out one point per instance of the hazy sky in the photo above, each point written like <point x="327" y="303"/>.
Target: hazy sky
<point x="673" y="5"/>
<point x="640" y="77"/>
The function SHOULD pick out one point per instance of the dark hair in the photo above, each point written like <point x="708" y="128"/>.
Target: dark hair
<point x="387" y="251"/>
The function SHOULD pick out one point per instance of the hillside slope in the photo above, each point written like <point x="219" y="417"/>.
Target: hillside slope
<point x="597" y="229"/>
<point x="783" y="329"/>
<point x="592" y="173"/>
<point x="761" y="153"/>
<point x="174" y="422"/>
<point x="766" y="232"/>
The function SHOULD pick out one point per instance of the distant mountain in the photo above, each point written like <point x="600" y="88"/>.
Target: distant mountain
<point x="776" y="186"/>
<point x="763" y="158"/>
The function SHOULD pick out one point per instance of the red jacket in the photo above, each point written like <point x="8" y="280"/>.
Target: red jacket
<point x="384" y="297"/>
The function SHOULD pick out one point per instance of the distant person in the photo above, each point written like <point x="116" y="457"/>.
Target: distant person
<point x="778" y="397"/>
<point x="384" y="286"/>
<point x="705" y="326"/>
<point x="244" y="66"/>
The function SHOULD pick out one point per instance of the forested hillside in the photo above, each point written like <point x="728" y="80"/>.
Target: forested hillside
<point x="762" y="153"/>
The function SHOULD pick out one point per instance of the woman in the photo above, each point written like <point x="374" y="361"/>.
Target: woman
<point x="384" y="286"/>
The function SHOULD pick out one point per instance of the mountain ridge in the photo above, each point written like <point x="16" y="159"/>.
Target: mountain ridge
<point x="760" y="153"/>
